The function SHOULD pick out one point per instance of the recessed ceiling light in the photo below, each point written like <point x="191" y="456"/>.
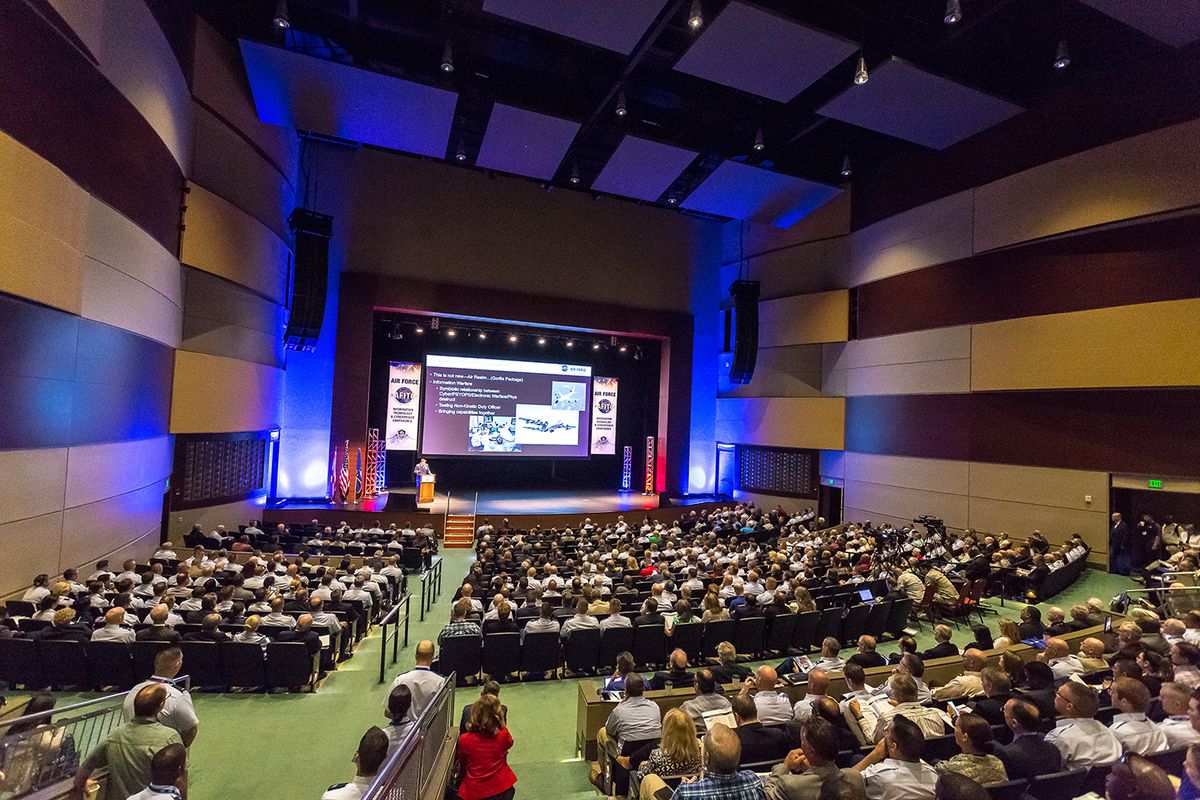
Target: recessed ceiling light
<point x="623" y="348"/>
<point x="846" y="171"/>
<point x="860" y="73"/>
<point x="483" y="335"/>
<point x="759" y="142"/>
<point x="595" y="345"/>
<point x="282" y="20"/>
<point x="461" y="153"/>
<point x="420" y="329"/>
<point x="451" y="332"/>
<point x="1062" y="55"/>
<point x="541" y="340"/>
<point x="512" y="337"/>
<point x="570" y="343"/>
<point x="622" y="109"/>
<point x="953" y="12"/>
<point x="696" y="17"/>
<point x="448" y="59"/>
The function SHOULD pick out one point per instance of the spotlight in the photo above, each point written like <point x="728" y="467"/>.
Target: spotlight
<point x="759" y="143"/>
<point x="541" y="340"/>
<point x="575" y="173"/>
<point x="622" y="110"/>
<point x="570" y="343"/>
<point x="1062" y="56"/>
<point x="696" y="17"/>
<point x="282" y="20"/>
<point x="846" y="171"/>
<point x="623" y="348"/>
<point x="953" y="12"/>
<point x="672" y="200"/>
<point x="595" y="345"/>
<point x="448" y="59"/>
<point x="451" y="332"/>
<point x="483" y="336"/>
<point x="461" y="153"/>
<point x="420" y="329"/>
<point x="512" y="337"/>
<point x="860" y="74"/>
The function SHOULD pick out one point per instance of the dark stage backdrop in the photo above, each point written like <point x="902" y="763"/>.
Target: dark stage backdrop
<point x="394" y="339"/>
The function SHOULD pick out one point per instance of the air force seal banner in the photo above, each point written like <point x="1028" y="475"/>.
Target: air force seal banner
<point x="403" y="406"/>
<point x="604" y="416"/>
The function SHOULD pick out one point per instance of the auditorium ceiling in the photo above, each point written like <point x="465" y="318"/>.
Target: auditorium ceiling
<point x="750" y="115"/>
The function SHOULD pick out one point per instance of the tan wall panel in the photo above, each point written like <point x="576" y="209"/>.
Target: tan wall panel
<point x="1150" y="344"/>
<point x="937" y="475"/>
<point x="852" y="514"/>
<point x="30" y="546"/>
<point x="113" y="240"/>
<point x="223" y="240"/>
<point x="906" y="504"/>
<point x="752" y="238"/>
<point x="1020" y="519"/>
<point x="1141" y="175"/>
<point x="93" y="530"/>
<point x="222" y="395"/>
<point x="804" y="268"/>
<point x="930" y="234"/>
<point x="28" y="255"/>
<point x="98" y="471"/>
<point x="778" y="372"/>
<point x="33" y="485"/>
<point x="229" y="514"/>
<point x="940" y="344"/>
<point x="1063" y="488"/>
<point x="116" y="299"/>
<point x="34" y="190"/>
<point x="804" y="319"/>
<point x="816" y="422"/>
<point x="924" y="377"/>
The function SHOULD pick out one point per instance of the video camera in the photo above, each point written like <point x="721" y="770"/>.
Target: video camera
<point x="932" y="524"/>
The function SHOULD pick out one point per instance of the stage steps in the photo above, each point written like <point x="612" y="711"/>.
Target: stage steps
<point x="460" y="530"/>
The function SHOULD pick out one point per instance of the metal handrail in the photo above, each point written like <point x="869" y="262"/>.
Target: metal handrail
<point x="185" y="680"/>
<point x="436" y="717"/>
<point x="390" y="619"/>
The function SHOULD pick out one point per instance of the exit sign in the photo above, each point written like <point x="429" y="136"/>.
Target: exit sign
<point x="1155" y="483"/>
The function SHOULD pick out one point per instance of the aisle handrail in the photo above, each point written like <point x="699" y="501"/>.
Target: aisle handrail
<point x="392" y="619"/>
<point x="407" y="770"/>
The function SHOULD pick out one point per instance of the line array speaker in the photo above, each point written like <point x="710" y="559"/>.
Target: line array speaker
<point x="310" y="278"/>
<point x="745" y="330"/>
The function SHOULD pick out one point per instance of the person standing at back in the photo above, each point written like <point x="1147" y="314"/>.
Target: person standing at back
<point x="483" y="754"/>
<point x="129" y="750"/>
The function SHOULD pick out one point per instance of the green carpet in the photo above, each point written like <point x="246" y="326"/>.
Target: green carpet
<point x="257" y="746"/>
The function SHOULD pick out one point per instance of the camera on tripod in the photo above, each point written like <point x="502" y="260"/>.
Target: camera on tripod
<point x="932" y="524"/>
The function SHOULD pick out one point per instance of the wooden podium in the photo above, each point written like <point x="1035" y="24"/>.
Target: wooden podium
<point x="425" y="489"/>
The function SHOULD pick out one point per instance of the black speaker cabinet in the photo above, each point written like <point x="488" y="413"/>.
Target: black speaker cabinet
<point x="745" y="330"/>
<point x="310" y="278"/>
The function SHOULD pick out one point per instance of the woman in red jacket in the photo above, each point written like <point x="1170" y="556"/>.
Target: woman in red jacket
<point x="483" y="754"/>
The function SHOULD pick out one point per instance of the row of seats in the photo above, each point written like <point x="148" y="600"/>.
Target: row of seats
<point x="94" y="666"/>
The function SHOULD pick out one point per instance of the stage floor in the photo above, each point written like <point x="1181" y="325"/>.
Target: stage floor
<point x="501" y="502"/>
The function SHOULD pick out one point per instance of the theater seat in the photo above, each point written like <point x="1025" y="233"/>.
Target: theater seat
<point x="501" y="655"/>
<point x="461" y="655"/>
<point x="1057" y="785"/>
<point x="612" y="642"/>
<point x="19" y="665"/>
<point x="202" y="663"/>
<point x="289" y="666"/>
<point x="64" y="663"/>
<point x="243" y="665"/>
<point x="581" y="650"/>
<point x="110" y="664"/>
<point x="540" y="653"/>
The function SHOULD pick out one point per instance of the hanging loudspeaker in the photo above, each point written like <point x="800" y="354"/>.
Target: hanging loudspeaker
<point x="745" y="330"/>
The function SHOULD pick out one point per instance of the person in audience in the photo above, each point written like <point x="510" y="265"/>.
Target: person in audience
<point x="727" y="669"/>
<point x="1185" y="657"/>
<point x="1154" y="670"/>
<point x="114" y="629"/>
<point x="1010" y="633"/>
<point x="1091" y="655"/>
<point x="805" y="770"/>
<point x="581" y="621"/>
<point x="983" y="638"/>
<point x="829" y="655"/>
<point x="912" y="666"/>
<point x="489" y="687"/>
<point x="1130" y="725"/>
<point x="973" y="736"/>
<point x="1129" y="642"/>
<point x="623" y="668"/>
<point x="399" y="722"/>
<point x="828" y="709"/>
<point x="129" y="750"/>
<point x="614" y="618"/>
<point x="650" y="615"/>
<point x="167" y="775"/>
<point x="932" y="721"/>
<point x="1056" y="622"/>
<point x="678" y="753"/>
<point x="39" y="589"/>
<point x="483" y="753"/>
<point x="63" y="628"/>
<point x="818" y="686"/>
<point x="368" y="758"/>
<point x="774" y="707"/>
<point x="1177" y="727"/>
<point x="1029" y="754"/>
<point x="677" y="675"/>
<point x="544" y="623"/>
<point x="422" y="682"/>
<point x="713" y="610"/>
<point x="866" y="657"/>
<point x="956" y="786"/>
<point x="1078" y="735"/>
<point x="944" y="647"/>
<point x="158" y="630"/>
<point x="276" y="618"/>
<point x="634" y="719"/>
<point x="893" y="770"/>
<point x="1136" y="778"/>
<point x="459" y="625"/>
<point x="722" y="778"/>
<point x="1057" y="656"/>
<point x="250" y="635"/>
<point x="945" y="594"/>
<point x="178" y="713"/>
<point x="758" y="742"/>
<point x="708" y="698"/>
<point x="210" y="631"/>
<point x="304" y="634"/>
<point x="997" y="691"/>
<point x="969" y="682"/>
<point x="503" y="622"/>
<point x="1037" y="685"/>
<point x="906" y="644"/>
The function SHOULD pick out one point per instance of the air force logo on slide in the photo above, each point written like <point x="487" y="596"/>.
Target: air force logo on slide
<point x="605" y="406"/>
<point x="404" y="395"/>
<point x="565" y="368"/>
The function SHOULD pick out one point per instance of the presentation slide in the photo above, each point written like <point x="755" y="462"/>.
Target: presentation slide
<point x="497" y="407"/>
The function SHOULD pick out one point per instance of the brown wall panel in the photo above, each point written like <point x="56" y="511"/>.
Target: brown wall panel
<point x="1140" y="263"/>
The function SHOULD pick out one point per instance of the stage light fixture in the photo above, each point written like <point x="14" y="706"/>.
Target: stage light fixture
<point x="759" y="142"/>
<point x="860" y="73"/>
<point x="512" y="337"/>
<point x="282" y="20"/>
<point x="622" y="109"/>
<point x="541" y="340"/>
<point x="448" y="59"/>
<point x="575" y="173"/>
<point x="623" y="348"/>
<point x="451" y="332"/>
<point x="420" y="329"/>
<point x="846" y="171"/>
<point x="435" y="323"/>
<point x="696" y="17"/>
<point x="595" y="345"/>
<point x="1062" y="56"/>
<point x="483" y="336"/>
<point x="672" y="200"/>
<point x="570" y="342"/>
<point x="461" y="153"/>
<point x="953" y="12"/>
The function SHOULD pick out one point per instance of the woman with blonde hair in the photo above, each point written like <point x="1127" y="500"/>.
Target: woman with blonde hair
<point x="678" y="752"/>
<point x="483" y="754"/>
<point x="712" y="609"/>
<point x="804" y="601"/>
<point x="1010" y="634"/>
<point x="250" y="634"/>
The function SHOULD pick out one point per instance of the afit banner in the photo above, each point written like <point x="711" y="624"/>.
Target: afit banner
<point x="404" y="405"/>
<point x="604" y="416"/>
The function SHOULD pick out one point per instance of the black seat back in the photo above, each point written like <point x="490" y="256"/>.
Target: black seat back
<point x="1009" y="790"/>
<point x="243" y="665"/>
<point x="501" y="654"/>
<point x="748" y="635"/>
<point x="829" y="625"/>
<point x="19" y="608"/>
<point x="805" y="633"/>
<point x="110" y="664"/>
<point x="898" y="617"/>
<point x="779" y="633"/>
<point x="143" y="658"/>
<point x="877" y="619"/>
<point x="460" y="654"/>
<point x="582" y="649"/>
<point x="854" y="623"/>
<point x="202" y="662"/>
<point x="1057" y="785"/>
<point x="715" y="632"/>
<point x="290" y="665"/>
<point x="649" y="645"/>
<point x="19" y="664"/>
<point x="64" y="663"/>
<point x="1170" y="760"/>
<point x="540" y="652"/>
<point x="612" y="642"/>
<point x="690" y="639"/>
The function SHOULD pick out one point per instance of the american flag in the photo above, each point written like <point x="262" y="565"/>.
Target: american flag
<point x="344" y="475"/>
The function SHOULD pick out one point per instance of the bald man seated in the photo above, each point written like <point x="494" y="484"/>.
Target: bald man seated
<point x="1091" y="655"/>
<point x="113" y="630"/>
<point x="969" y="683"/>
<point x="1057" y="656"/>
<point x="774" y="707"/>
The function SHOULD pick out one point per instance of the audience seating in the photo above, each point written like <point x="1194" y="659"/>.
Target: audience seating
<point x="612" y="642"/>
<point x="540" y="653"/>
<point x="1009" y="790"/>
<point x="649" y="645"/>
<point x="581" y="649"/>
<point x="854" y="623"/>
<point x="690" y="639"/>
<point x="1058" y="785"/>
<point x="502" y="654"/>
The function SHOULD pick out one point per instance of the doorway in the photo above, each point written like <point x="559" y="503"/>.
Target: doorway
<point x="829" y="504"/>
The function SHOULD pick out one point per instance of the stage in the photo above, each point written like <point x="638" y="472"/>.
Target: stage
<point x="541" y="507"/>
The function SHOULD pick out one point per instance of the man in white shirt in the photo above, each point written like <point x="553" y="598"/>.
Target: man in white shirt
<point x="1177" y="726"/>
<point x="368" y="758"/>
<point x="166" y="550"/>
<point x="829" y="660"/>
<point x="614" y="618"/>
<point x="931" y="721"/>
<point x="1078" y="735"/>
<point x="774" y="707"/>
<point x="894" y="769"/>
<point x="1137" y="733"/>
<point x="1057" y="656"/>
<point x="129" y="571"/>
<point x="581" y="621"/>
<point x="277" y="618"/>
<point x="818" y="687"/>
<point x="421" y="681"/>
<point x="967" y="684"/>
<point x="113" y="631"/>
<point x="177" y="713"/>
<point x="166" y="769"/>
